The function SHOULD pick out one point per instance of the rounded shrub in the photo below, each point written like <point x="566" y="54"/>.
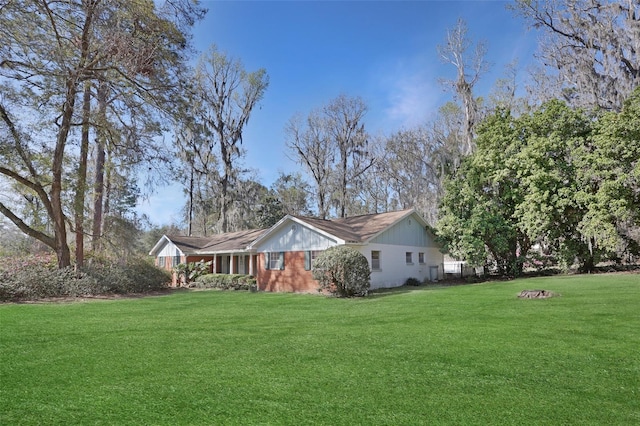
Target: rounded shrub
<point x="342" y="271"/>
<point x="412" y="282"/>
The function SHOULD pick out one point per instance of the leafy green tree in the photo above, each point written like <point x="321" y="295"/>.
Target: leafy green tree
<point x="554" y="136"/>
<point x="270" y="211"/>
<point x="609" y="174"/>
<point x="292" y="191"/>
<point x="477" y="212"/>
<point x="556" y="177"/>
<point x="343" y="271"/>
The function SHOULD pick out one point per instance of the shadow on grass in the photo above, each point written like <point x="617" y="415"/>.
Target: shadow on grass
<point x="383" y="292"/>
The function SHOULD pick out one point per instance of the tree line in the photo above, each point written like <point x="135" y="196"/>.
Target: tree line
<point x="91" y="89"/>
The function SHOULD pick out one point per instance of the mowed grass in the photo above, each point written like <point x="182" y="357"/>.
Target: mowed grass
<point x="452" y="355"/>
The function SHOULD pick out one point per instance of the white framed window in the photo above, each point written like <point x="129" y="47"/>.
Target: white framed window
<point x="421" y="258"/>
<point x="162" y="263"/>
<point x="375" y="259"/>
<point x="409" y="258"/>
<point x="274" y="260"/>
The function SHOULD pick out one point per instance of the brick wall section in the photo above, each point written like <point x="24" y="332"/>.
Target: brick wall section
<point x="293" y="278"/>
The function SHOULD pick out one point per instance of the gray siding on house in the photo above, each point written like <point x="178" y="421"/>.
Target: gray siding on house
<point x="407" y="232"/>
<point x="293" y="236"/>
<point x="169" y="250"/>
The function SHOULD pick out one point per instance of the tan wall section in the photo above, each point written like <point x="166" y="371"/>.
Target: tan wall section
<point x="293" y="278"/>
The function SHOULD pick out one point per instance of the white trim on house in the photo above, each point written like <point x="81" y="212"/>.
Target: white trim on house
<point x="394" y="235"/>
<point x="282" y="223"/>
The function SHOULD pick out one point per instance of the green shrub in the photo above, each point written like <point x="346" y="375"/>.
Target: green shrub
<point x="188" y="272"/>
<point x="413" y="282"/>
<point x="226" y="281"/>
<point x="137" y="275"/>
<point x="342" y="271"/>
<point x="37" y="277"/>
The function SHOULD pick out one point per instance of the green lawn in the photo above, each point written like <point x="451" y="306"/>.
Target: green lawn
<point x="452" y="355"/>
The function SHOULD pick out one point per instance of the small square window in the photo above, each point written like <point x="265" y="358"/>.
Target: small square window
<point x="421" y="258"/>
<point x="409" y="258"/>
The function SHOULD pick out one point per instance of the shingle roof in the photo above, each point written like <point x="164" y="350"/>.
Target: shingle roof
<point x="354" y="229"/>
<point x="357" y="229"/>
<point x="188" y="244"/>
<point x="231" y="241"/>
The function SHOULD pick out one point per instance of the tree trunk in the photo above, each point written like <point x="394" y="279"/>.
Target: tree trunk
<point x="63" y="253"/>
<point x="190" y="212"/>
<point x="82" y="177"/>
<point x="98" y="193"/>
<point x="224" y="184"/>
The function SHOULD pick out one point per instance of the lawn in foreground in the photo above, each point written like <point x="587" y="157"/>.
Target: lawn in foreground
<point x="457" y="355"/>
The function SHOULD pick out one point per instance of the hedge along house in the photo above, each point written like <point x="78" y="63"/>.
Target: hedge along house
<point x="227" y="253"/>
<point x="398" y="245"/>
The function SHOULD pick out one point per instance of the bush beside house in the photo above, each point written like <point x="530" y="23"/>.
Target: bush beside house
<point x="226" y="282"/>
<point x="342" y="271"/>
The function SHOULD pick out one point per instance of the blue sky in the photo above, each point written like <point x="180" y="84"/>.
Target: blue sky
<point x="382" y="51"/>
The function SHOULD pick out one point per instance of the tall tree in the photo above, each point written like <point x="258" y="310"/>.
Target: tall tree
<point x="292" y="192"/>
<point x="344" y="120"/>
<point x="332" y="145"/>
<point x="311" y="146"/>
<point x="196" y="163"/>
<point x="558" y="177"/>
<point x="411" y="170"/>
<point x="551" y="142"/>
<point x="476" y="219"/>
<point x="228" y="95"/>
<point x="609" y="175"/>
<point x="48" y="49"/>
<point x="592" y="48"/>
<point x="470" y="65"/>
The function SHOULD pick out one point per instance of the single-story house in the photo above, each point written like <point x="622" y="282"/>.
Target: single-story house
<point x="398" y="245"/>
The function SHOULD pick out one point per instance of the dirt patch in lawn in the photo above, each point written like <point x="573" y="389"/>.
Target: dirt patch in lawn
<point x="536" y="294"/>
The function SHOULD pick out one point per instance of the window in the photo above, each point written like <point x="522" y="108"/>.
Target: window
<point x="309" y="257"/>
<point x="162" y="262"/>
<point x="375" y="259"/>
<point x="421" y="258"/>
<point x="274" y="260"/>
<point x="176" y="259"/>
<point x="409" y="258"/>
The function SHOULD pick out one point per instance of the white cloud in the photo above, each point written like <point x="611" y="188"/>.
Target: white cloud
<point x="413" y="94"/>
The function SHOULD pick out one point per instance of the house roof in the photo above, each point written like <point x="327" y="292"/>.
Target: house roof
<point x="188" y="244"/>
<point x="232" y="241"/>
<point x="229" y="242"/>
<point x="358" y="229"/>
<point x="354" y="229"/>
